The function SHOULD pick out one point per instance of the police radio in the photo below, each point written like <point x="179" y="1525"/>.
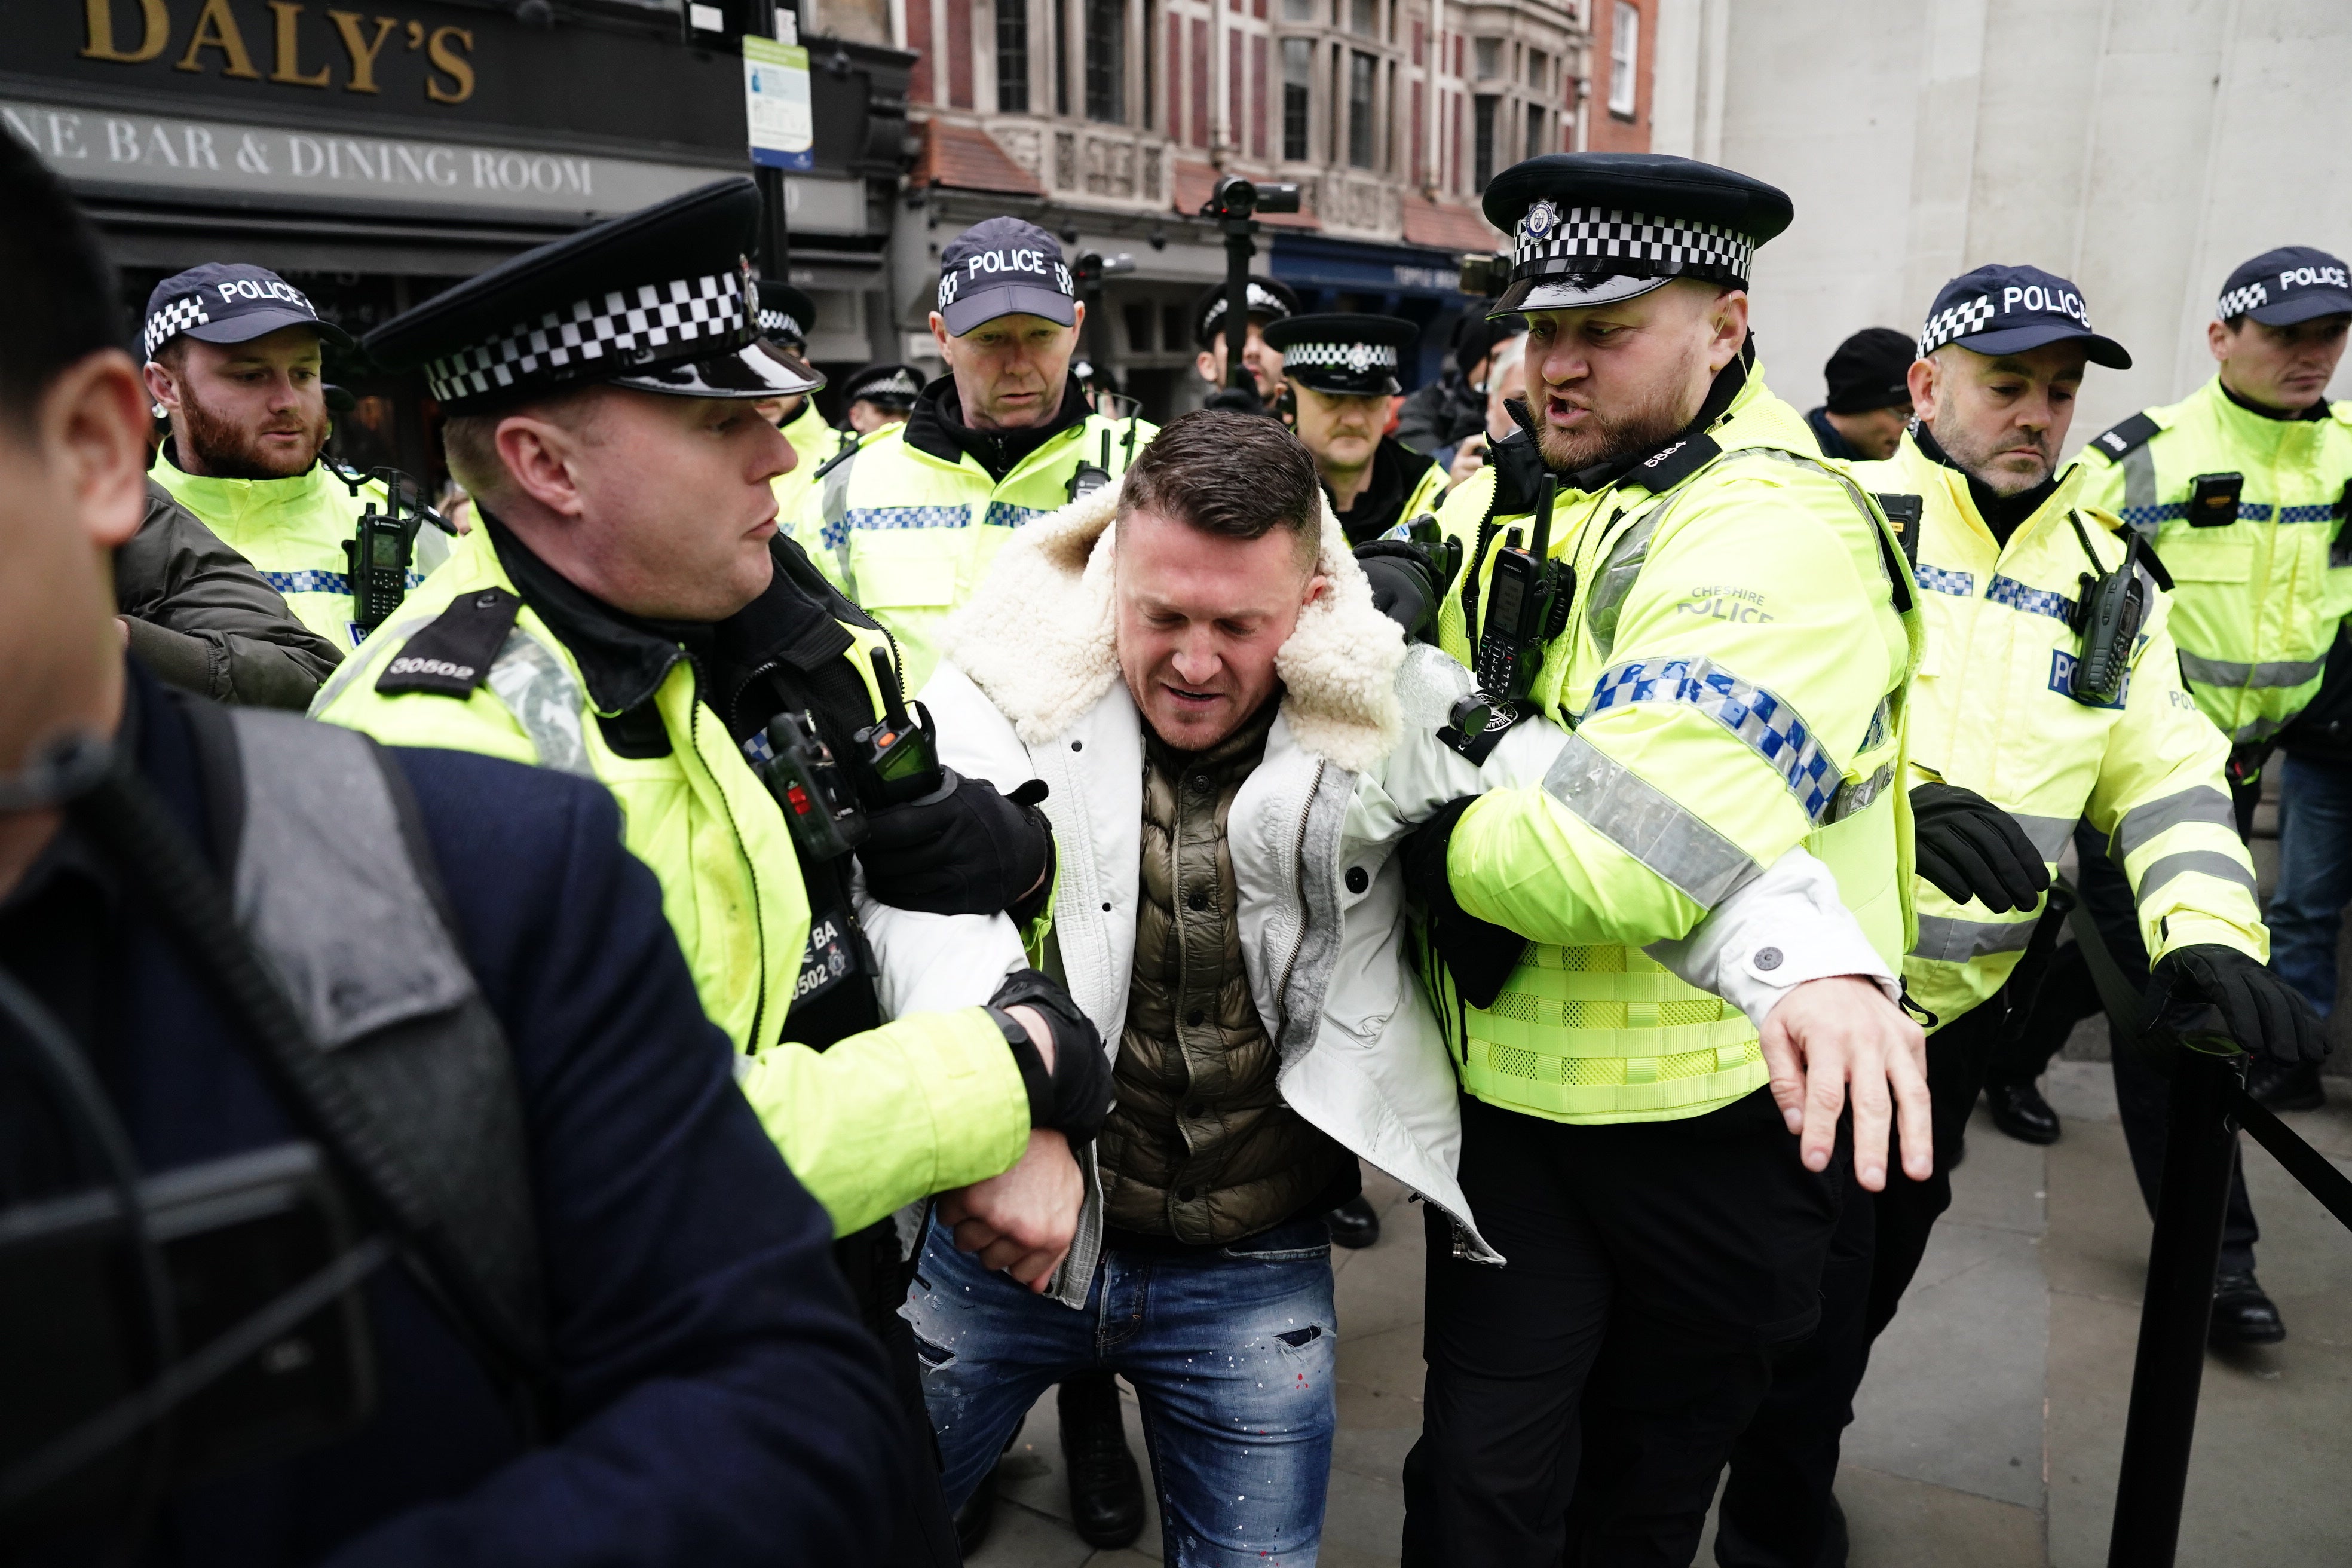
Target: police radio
<point x="2213" y="499"/>
<point x="897" y="760"/>
<point x="2107" y="617"/>
<point x="1088" y="478"/>
<point x="820" y="806"/>
<point x="1526" y="606"/>
<point x="382" y="547"/>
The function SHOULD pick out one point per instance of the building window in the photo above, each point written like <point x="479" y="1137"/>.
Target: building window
<point x="1107" y="62"/>
<point x="1481" y="159"/>
<point x="1362" y="71"/>
<point x="1624" y="46"/>
<point x="1151" y="68"/>
<point x="1487" y="57"/>
<point x="1013" y="56"/>
<point x="1297" y="95"/>
<point x="1536" y="117"/>
<point x="1298" y="10"/>
<point x="1539" y="70"/>
<point x="1062" y="55"/>
<point x="1364" y="17"/>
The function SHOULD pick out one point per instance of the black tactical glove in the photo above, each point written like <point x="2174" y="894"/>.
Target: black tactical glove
<point x="1971" y="849"/>
<point x="1479" y="954"/>
<point x="1077" y="1097"/>
<point x="2260" y="1011"/>
<point x="962" y="849"/>
<point x="1405" y="585"/>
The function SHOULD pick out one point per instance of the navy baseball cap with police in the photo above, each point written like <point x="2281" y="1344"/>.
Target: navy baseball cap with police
<point x="1003" y="266"/>
<point x="660" y="299"/>
<point x="1349" y="355"/>
<point x="1594" y="228"/>
<point x="230" y="302"/>
<point x="2279" y="288"/>
<point x="2000" y="310"/>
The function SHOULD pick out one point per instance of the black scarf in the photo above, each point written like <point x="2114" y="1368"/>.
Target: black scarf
<point x="2003" y="514"/>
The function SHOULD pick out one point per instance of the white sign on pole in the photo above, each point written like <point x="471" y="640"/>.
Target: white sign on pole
<point x="776" y="104"/>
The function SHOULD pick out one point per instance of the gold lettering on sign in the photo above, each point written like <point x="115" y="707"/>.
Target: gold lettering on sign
<point x="158" y="33"/>
<point x="289" y="69"/>
<point x="216" y="29"/>
<point x="460" y="69"/>
<point x="363" y="52"/>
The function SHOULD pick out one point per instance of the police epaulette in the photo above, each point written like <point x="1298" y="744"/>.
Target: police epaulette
<point x="838" y="457"/>
<point x="1665" y="470"/>
<point x="2123" y="438"/>
<point x="452" y="656"/>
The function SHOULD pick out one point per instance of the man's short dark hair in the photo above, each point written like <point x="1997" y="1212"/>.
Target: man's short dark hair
<point x="51" y="265"/>
<point x="1239" y="475"/>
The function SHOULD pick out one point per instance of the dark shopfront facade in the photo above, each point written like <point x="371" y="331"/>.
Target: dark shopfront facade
<point x="373" y="159"/>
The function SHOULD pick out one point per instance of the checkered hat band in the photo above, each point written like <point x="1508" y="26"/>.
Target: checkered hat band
<point x="1575" y="237"/>
<point x="173" y="319"/>
<point x="776" y="323"/>
<point x="2238" y="301"/>
<point x="1954" y="322"/>
<point x="1359" y="357"/>
<point x="708" y="314"/>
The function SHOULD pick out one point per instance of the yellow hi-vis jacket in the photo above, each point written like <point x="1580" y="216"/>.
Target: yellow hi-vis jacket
<point x="2255" y="602"/>
<point x="880" y="1119"/>
<point x="908" y="532"/>
<point x="1989" y="712"/>
<point x="814" y="443"/>
<point x="1733" y="669"/>
<point x="293" y="531"/>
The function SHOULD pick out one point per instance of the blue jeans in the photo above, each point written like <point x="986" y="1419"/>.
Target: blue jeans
<point x="2306" y="913"/>
<point x="1231" y="1353"/>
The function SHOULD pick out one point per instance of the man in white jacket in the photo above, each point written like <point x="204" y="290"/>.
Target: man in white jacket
<point x="1234" y="741"/>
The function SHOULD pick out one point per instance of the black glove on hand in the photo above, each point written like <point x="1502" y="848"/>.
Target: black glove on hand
<point x="1078" y="1096"/>
<point x="2259" y="1010"/>
<point x="1971" y="849"/>
<point x="964" y="850"/>
<point x="1479" y="954"/>
<point x="1404" y="588"/>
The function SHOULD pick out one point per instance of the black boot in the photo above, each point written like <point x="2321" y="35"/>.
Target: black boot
<point x="2284" y="1085"/>
<point x="2243" y="1314"/>
<point x="1354" y="1222"/>
<point x="2019" y="1110"/>
<point x="1106" y="1488"/>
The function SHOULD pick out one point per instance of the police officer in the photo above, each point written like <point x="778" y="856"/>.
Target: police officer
<point x="624" y="613"/>
<point x="2021" y="699"/>
<point x="2242" y="487"/>
<point x="1338" y="373"/>
<point x="881" y="394"/>
<point x="908" y="523"/>
<point x="233" y="359"/>
<point x="1617" y="1125"/>
<point x="1269" y="302"/>
<point x="787" y="317"/>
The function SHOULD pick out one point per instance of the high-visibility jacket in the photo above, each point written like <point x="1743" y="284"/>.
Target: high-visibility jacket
<point x="910" y="532"/>
<point x="879" y="1119"/>
<point x="2255" y="602"/>
<point x="1733" y="667"/>
<point x="813" y="443"/>
<point x="293" y="531"/>
<point x="1990" y="712"/>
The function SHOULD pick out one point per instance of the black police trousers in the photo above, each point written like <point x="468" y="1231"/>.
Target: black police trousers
<point x="1581" y="1399"/>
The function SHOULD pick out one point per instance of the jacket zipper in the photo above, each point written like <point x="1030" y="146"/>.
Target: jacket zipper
<point x="759" y="922"/>
<point x="1298" y="876"/>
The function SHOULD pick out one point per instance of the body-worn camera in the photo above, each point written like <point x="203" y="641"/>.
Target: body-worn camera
<point x="2213" y="499"/>
<point x="1527" y="602"/>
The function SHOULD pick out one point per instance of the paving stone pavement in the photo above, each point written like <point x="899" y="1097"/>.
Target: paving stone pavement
<point x="1989" y="1429"/>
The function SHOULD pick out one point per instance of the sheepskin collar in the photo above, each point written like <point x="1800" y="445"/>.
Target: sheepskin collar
<point x="1037" y="638"/>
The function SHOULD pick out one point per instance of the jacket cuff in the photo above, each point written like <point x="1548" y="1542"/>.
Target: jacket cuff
<point x="1781" y="930"/>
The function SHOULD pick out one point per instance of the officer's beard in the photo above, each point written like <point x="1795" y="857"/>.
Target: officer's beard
<point x="1632" y="428"/>
<point x="226" y="450"/>
<point x="1993" y="461"/>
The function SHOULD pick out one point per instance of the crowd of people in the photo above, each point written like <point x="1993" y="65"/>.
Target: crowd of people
<point x="781" y="943"/>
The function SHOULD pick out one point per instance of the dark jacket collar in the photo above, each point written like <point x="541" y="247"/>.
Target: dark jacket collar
<point x="1834" y="443"/>
<point x="2316" y="411"/>
<point x="1729" y="381"/>
<point x="2004" y="515"/>
<point x="1396" y="468"/>
<point x="937" y="426"/>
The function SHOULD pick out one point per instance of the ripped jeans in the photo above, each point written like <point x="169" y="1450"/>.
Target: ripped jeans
<point x="1231" y="1354"/>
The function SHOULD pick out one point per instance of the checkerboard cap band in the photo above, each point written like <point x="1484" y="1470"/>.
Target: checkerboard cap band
<point x="780" y="324"/>
<point x="1343" y="356"/>
<point x="708" y="314"/>
<point x="1579" y="239"/>
<point x="2238" y="301"/>
<point x="1954" y="322"/>
<point x="173" y="319"/>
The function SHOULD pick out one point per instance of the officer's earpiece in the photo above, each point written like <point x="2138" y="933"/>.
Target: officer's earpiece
<point x="1286" y="404"/>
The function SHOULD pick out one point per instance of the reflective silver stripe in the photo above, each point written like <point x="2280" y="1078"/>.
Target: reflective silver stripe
<point x="1619" y="568"/>
<point x="2199" y="803"/>
<point x="2261" y="729"/>
<point x="835" y="504"/>
<point x="544" y="700"/>
<point x="2224" y="672"/>
<point x="2048" y="833"/>
<point x="2204" y="862"/>
<point x="1851" y="799"/>
<point x="1943" y="940"/>
<point x="2139" y="476"/>
<point x="1648" y="824"/>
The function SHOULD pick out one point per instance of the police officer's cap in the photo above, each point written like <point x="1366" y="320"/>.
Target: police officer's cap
<point x="1004" y="267"/>
<point x="786" y="314"/>
<point x="2279" y="288"/>
<point x="1269" y="301"/>
<point x="657" y="300"/>
<point x="229" y="302"/>
<point x="1353" y="356"/>
<point x="884" y="385"/>
<point x="1594" y="228"/>
<point x="2002" y="310"/>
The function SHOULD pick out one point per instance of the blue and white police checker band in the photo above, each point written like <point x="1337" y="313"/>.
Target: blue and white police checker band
<point x="2279" y="288"/>
<point x="229" y="302"/>
<point x="2001" y="310"/>
<point x="1348" y="355"/>
<point x="1566" y="258"/>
